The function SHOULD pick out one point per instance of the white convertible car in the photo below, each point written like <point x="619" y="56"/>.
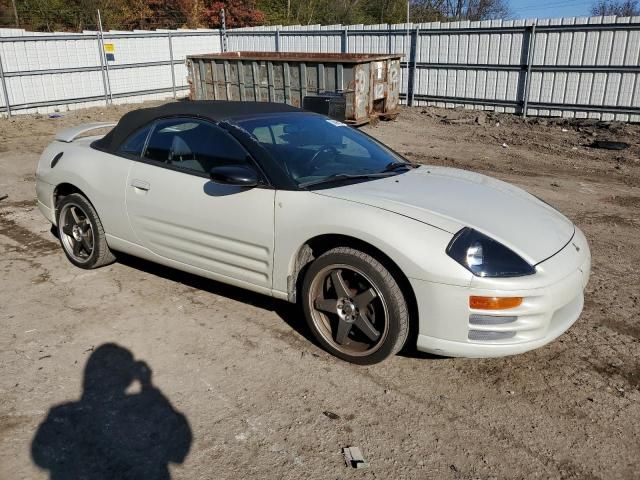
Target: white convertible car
<point x="307" y="209"/>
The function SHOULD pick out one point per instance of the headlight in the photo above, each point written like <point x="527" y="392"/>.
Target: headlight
<point x="484" y="257"/>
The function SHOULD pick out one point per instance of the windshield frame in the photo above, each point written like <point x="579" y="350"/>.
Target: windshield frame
<point x="277" y="168"/>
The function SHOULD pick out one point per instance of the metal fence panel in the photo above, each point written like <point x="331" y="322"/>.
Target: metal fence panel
<point x="42" y="72"/>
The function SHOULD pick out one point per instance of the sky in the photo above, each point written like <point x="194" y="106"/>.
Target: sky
<point x="549" y="8"/>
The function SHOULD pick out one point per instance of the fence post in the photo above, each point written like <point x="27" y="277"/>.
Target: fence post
<point x="5" y="92"/>
<point x="277" y="38"/>
<point x="223" y="31"/>
<point x="173" y="73"/>
<point x="103" y="56"/>
<point x="104" y="78"/>
<point x="344" y="47"/>
<point x="411" y="66"/>
<point x="531" y="45"/>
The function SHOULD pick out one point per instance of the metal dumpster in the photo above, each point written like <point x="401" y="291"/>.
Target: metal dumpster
<point x="369" y="83"/>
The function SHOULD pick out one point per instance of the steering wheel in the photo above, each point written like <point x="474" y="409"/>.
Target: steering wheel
<point x="311" y="164"/>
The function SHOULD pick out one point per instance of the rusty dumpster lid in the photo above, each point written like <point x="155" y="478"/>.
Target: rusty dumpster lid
<point x="298" y="57"/>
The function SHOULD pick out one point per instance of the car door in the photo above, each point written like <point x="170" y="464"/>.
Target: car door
<point x="177" y="212"/>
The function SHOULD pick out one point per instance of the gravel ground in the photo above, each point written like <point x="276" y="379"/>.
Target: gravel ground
<point x="233" y="387"/>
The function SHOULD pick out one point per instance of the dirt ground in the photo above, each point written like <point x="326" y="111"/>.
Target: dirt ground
<point x="258" y="399"/>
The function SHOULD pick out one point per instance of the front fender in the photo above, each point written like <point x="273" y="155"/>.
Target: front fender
<point x="416" y="248"/>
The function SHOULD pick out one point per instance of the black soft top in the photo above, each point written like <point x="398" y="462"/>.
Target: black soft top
<point x="215" y="110"/>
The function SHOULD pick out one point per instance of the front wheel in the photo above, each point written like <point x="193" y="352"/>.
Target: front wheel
<point x="354" y="306"/>
<point x="81" y="233"/>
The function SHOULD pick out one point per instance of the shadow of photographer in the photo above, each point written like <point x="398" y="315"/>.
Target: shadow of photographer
<point x="109" y="433"/>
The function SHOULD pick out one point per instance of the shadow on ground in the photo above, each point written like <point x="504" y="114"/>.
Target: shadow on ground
<point x="109" y="433"/>
<point x="290" y="313"/>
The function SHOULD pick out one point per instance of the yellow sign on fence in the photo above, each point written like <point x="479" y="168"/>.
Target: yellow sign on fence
<point x="109" y="48"/>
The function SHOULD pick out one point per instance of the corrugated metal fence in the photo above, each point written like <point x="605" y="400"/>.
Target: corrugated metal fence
<point x="41" y="72"/>
<point x="583" y="67"/>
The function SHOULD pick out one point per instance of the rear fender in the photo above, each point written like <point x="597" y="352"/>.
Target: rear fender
<point x="101" y="176"/>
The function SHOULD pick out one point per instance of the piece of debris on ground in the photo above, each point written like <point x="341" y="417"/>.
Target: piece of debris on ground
<point x="331" y="415"/>
<point x="353" y="457"/>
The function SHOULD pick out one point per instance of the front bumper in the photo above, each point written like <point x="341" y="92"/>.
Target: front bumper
<point x="553" y="301"/>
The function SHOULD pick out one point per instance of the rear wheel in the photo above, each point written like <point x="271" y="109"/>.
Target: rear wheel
<point x="354" y="306"/>
<point x="81" y="234"/>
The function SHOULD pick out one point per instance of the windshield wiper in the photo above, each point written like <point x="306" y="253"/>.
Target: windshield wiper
<point x="393" y="166"/>
<point x="343" y="176"/>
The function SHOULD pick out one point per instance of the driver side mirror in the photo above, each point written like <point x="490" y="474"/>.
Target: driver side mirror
<point x="238" y="175"/>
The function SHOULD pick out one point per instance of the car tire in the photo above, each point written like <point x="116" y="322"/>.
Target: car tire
<point x="81" y="233"/>
<point x="354" y="306"/>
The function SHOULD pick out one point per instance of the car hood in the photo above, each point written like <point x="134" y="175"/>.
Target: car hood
<point x="450" y="199"/>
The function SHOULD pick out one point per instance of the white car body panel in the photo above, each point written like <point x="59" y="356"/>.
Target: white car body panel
<point x="450" y="198"/>
<point x="224" y="229"/>
<point x="251" y="237"/>
<point x="102" y="177"/>
<point x="418" y="251"/>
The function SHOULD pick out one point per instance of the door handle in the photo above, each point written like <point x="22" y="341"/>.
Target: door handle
<point x="140" y="185"/>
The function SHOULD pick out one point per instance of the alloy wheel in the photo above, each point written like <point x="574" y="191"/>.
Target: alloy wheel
<point x="348" y="310"/>
<point x="76" y="233"/>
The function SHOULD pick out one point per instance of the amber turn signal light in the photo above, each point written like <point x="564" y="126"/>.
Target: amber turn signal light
<point x="494" y="303"/>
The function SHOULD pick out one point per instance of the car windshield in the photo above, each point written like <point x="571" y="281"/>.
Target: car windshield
<point x="316" y="150"/>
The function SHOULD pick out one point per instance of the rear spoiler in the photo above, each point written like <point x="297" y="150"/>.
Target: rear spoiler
<point x="68" y="135"/>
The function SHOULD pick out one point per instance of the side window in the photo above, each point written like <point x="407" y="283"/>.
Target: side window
<point x="193" y="145"/>
<point x="135" y="143"/>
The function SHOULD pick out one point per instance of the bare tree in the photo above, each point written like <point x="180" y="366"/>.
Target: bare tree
<point x="434" y="10"/>
<point x="621" y="8"/>
<point x="477" y="9"/>
<point x="428" y="10"/>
